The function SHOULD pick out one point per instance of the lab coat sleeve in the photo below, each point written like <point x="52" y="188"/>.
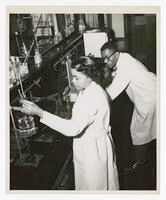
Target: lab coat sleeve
<point x="64" y="126"/>
<point x="121" y="80"/>
<point x="71" y="127"/>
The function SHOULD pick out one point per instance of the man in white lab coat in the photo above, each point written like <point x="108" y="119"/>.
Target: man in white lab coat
<point x="140" y="85"/>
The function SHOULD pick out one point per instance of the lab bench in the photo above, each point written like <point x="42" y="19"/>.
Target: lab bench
<point x="52" y="170"/>
<point x="48" y="165"/>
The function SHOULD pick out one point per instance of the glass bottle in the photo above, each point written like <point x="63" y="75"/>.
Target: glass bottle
<point x="37" y="57"/>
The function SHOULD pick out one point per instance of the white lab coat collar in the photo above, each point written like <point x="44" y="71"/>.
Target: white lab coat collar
<point x="88" y="88"/>
<point x="118" y="62"/>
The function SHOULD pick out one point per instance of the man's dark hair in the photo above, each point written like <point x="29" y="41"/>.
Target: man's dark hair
<point x="111" y="36"/>
<point x="109" y="45"/>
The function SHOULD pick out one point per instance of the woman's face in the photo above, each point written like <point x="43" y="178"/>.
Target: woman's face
<point x="80" y="80"/>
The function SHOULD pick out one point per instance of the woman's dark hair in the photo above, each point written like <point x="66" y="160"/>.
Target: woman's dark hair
<point x="90" y="66"/>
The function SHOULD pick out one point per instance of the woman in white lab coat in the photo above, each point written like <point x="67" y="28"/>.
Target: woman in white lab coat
<point x="93" y="153"/>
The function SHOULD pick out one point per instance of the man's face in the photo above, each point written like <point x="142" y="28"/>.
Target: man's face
<point x="109" y="57"/>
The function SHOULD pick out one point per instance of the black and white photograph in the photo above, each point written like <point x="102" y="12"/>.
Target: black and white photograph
<point x="83" y="100"/>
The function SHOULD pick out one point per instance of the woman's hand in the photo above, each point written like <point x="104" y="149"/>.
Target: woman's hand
<point x="31" y="108"/>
